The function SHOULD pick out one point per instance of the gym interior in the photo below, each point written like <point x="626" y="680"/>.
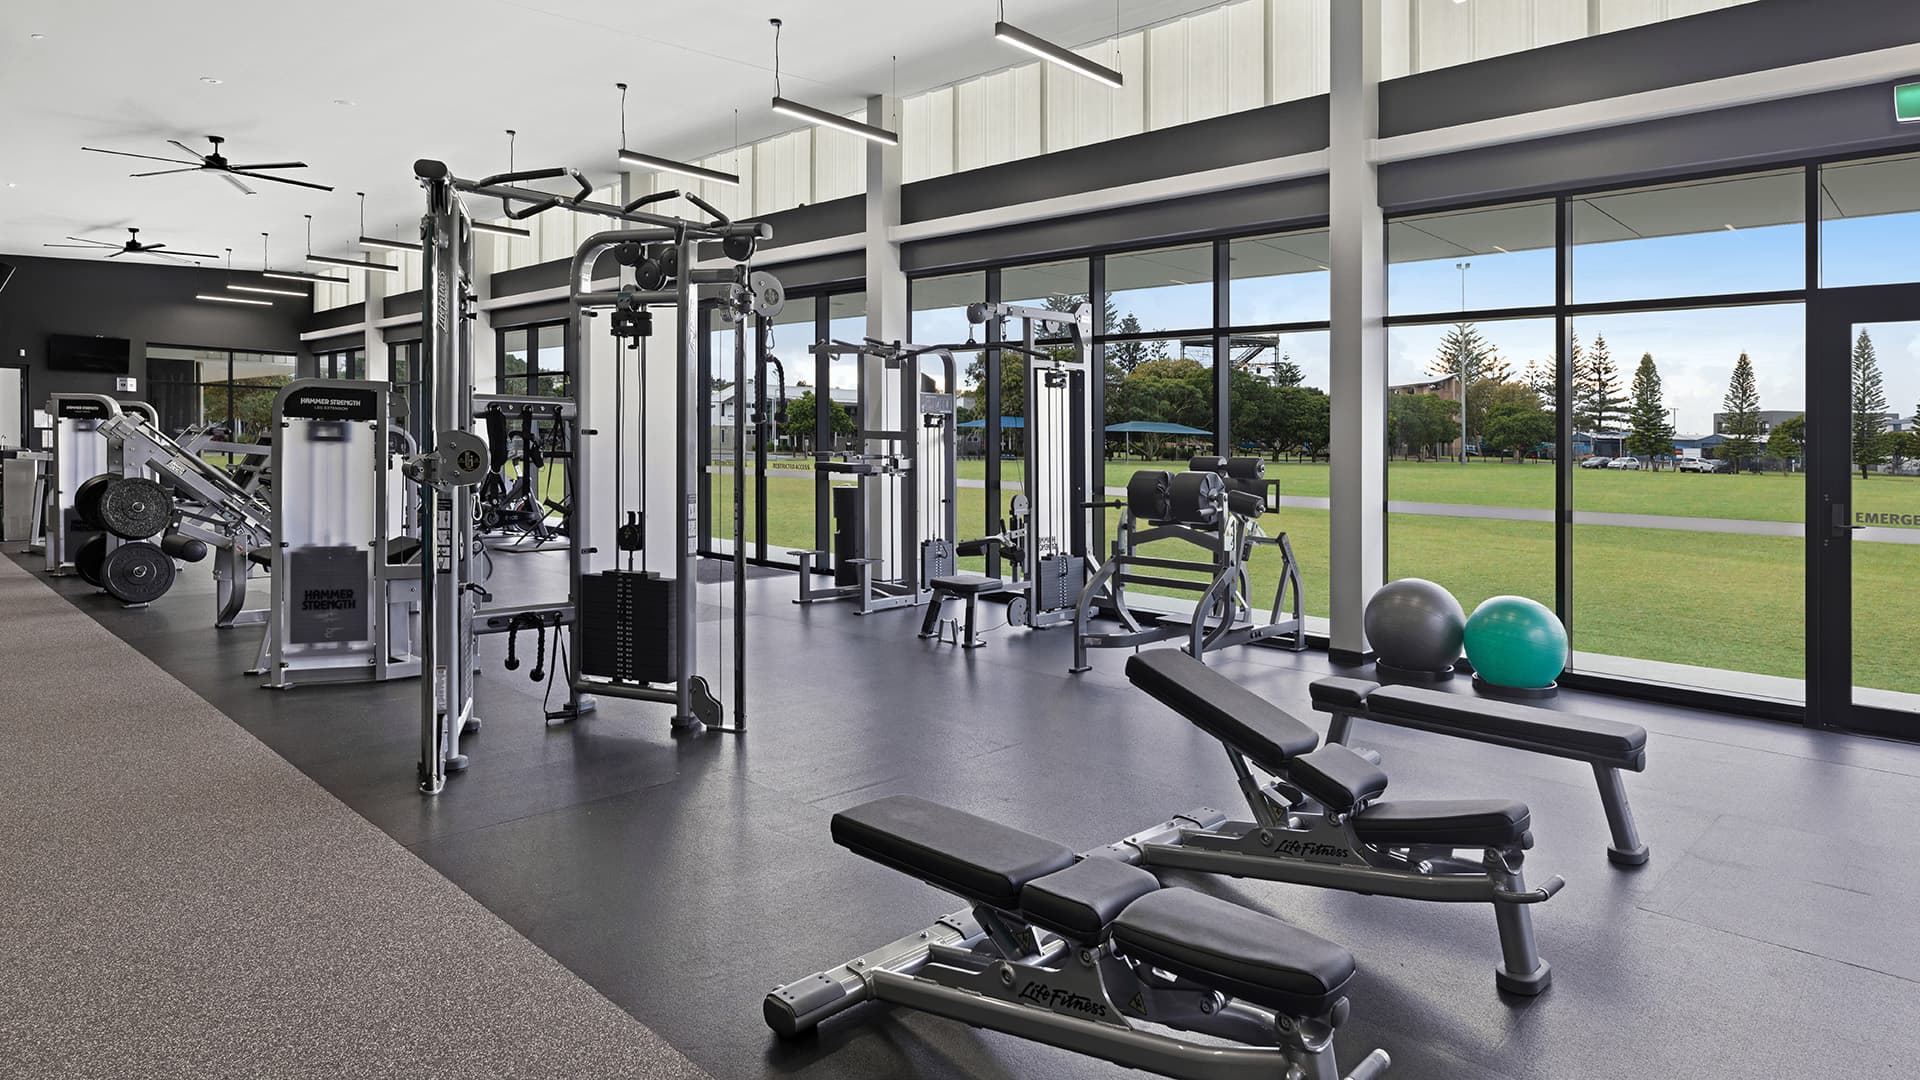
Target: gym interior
<point x="1221" y="539"/>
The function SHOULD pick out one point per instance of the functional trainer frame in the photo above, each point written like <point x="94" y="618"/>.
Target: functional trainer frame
<point x="453" y="459"/>
<point x="907" y="472"/>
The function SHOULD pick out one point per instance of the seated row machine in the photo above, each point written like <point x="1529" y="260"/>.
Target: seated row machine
<point x="1079" y="951"/>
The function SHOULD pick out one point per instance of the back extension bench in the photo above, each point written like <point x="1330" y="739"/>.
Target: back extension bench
<point x="1607" y="745"/>
<point x="1320" y="820"/>
<point x="1079" y="951"/>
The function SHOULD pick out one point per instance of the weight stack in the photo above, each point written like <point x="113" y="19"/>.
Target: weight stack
<point x="1058" y="580"/>
<point x="849" y="534"/>
<point x="627" y="630"/>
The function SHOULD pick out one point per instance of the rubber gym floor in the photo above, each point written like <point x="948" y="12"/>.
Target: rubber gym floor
<point x="1771" y="934"/>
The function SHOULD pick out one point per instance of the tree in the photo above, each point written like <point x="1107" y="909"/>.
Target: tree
<point x="1516" y="421"/>
<point x="1740" y="416"/>
<point x="1603" y="404"/>
<point x="1788" y="440"/>
<point x="1418" y="422"/>
<point x="798" y="422"/>
<point x="1464" y="348"/>
<point x="1870" y="442"/>
<point x="1286" y="372"/>
<point x="1542" y="378"/>
<point x="1302" y="419"/>
<point x="1649" y="431"/>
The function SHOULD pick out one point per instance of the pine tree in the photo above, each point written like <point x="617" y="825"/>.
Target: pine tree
<point x="1649" y="432"/>
<point x="1870" y="442"/>
<point x="1740" y="416"/>
<point x="1541" y="378"/>
<point x="1286" y="372"/>
<point x="1484" y="367"/>
<point x="1582" y="387"/>
<point x="1606" y="400"/>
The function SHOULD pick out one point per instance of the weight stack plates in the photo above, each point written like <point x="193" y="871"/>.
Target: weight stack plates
<point x="627" y="630"/>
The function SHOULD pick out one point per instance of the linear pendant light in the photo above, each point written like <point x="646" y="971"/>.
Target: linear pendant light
<point x="351" y="264"/>
<point x="265" y="290"/>
<point x="1053" y="54"/>
<point x="231" y="299"/>
<point x="300" y="275"/>
<point x="366" y="241"/>
<point x="666" y="165"/>
<point x="821" y="117"/>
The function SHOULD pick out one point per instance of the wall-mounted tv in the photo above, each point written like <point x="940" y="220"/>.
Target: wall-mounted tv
<point x="77" y="352"/>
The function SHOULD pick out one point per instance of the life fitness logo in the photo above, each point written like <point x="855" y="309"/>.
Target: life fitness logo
<point x="1060" y="1000"/>
<point x="1307" y="849"/>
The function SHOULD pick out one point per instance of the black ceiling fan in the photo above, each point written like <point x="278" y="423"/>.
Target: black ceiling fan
<point x="217" y="164"/>
<point x="133" y="246"/>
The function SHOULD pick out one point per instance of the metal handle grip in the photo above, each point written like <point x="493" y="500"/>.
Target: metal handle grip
<point x="1537" y="895"/>
<point x="1375" y="1064"/>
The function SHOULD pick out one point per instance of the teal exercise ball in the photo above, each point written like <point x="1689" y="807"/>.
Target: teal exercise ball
<point x="1513" y="641"/>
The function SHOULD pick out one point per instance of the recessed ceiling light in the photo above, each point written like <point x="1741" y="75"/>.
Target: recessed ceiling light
<point x="210" y="80"/>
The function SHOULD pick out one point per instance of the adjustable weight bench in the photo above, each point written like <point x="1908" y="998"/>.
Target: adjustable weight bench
<point x="1079" y="951"/>
<point x="1607" y="745"/>
<point x="1320" y="820"/>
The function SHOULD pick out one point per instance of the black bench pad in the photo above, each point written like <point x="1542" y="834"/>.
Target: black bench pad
<point x="1081" y="900"/>
<point x="1579" y="736"/>
<point x="1222" y="708"/>
<point x="982" y="860"/>
<point x="1457" y="822"/>
<point x="1342" y="692"/>
<point x="1235" y="950"/>
<point x="1338" y="777"/>
<point x="967" y="584"/>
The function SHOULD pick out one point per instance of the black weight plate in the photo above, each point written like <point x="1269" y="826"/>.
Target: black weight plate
<point x="137" y="573"/>
<point x="134" y="508"/>
<point x="86" y="498"/>
<point x="88" y="559"/>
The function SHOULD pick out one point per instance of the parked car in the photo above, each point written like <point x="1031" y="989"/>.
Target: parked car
<point x="1711" y="465"/>
<point x="1628" y="463"/>
<point x="1598" y="461"/>
<point x="1694" y="464"/>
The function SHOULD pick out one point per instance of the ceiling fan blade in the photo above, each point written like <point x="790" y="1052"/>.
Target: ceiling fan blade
<point x="167" y="257"/>
<point x="166" y="172"/>
<point x="82" y="247"/>
<point x="101" y="243"/>
<point x="284" y="180"/>
<point x="190" y="151"/>
<point x="229" y="178"/>
<point x="270" y="165"/>
<point x="119" y="253"/>
<point x="183" y="254"/>
<point x="146" y="157"/>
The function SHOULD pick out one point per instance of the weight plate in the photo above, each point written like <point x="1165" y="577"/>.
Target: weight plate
<point x="134" y="508"/>
<point x="86" y="499"/>
<point x="1017" y="611"/>
<point x="137" y="573"/>
<point x="87" y="560"/>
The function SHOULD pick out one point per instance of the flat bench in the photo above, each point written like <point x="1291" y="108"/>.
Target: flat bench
<point x="968" y="587"/>
<point x="1607" y="745"/>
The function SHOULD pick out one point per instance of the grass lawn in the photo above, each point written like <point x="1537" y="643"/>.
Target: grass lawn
<point x="1704" y="599"/>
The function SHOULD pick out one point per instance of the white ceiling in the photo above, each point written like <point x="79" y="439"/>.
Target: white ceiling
<point x="430" y="78"/>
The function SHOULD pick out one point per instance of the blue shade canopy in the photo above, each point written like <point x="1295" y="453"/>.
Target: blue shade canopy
<point x="1151" y="427"/>
<point x="1005" y="422"/>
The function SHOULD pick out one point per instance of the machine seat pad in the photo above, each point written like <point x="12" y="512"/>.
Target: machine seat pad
<point x="1578" y="735"/>
<point x="967" y="584"/>
<point x="982" y="860"/>
<point x="1081" y="900"/>
<point x="1341" y="693"/>
<point x="1235" y="950"/>
<point x="1222" y="708"/>
<point x="1495" y="823"/>
<point x="1338" y="777"/>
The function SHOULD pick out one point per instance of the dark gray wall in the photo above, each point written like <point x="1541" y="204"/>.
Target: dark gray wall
<point x="144" y="304"/>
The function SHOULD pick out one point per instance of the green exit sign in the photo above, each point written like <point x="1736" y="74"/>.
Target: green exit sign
<point x="1906" y="103"/>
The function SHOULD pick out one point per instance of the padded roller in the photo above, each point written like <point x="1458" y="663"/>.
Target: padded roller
<point x="1246" y="504"/>
<point x="1196" y="497"/>
<point x="1148" y="494"/>
<point x="1247" y="468"/>
<point x="1206" y="463"/>
<point x="183" y="547"/>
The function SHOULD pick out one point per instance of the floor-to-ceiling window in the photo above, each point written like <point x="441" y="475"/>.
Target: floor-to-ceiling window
<point x="532" y="360"/>
<point x="232" y="388"/>
<point x="342" y="363"/>
<point x="403" y="374"/>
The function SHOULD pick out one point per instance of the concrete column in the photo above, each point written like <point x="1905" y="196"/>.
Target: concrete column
<point x="1357" y="531"/>
<point x="886" y="321"/>
<point x="481" y="342"/>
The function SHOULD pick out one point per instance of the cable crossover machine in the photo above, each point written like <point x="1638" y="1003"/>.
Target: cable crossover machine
<point x="621" y="632"/>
